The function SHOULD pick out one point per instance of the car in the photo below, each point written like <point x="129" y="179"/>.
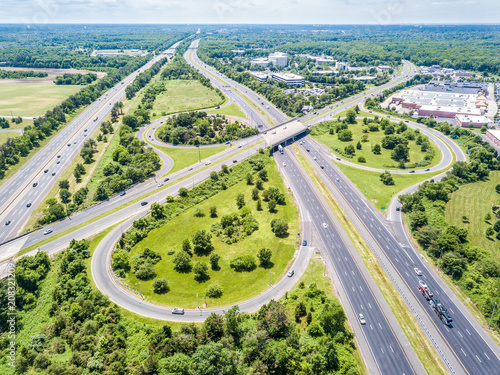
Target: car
<point x="412" y="171"/>
<point x="337" y="158"/>
<point x="369" y="111"/>
<point x="74" y="142"/>
<point x="304" y="243"/>
<point x="265" y="132"/>
<point x="208" y="162"/>
<point x="28" y="205"/>
<point x="322" y="167"/>
<point x="314" y="158"/>
<point x="284" y="164"/>
<point x="325" y="225"/>
<point x="123" y="193"/>
<point x="160" y="184"/>
<point x="338" y="179"/>
<point x="35" y="184"/>
<point x="53" y="173"/>
<point x="7" y="222"/>
<point x="307" y="150"/>
<point x="422" y="284"/>
<point x="290" y="273"/>
<point x="84" y="130"/>
<point x="284" y="127"/>
<point x="165" y="180"/>
<point x="239" y="146"/>
<point x="178" y="310"/>
<point x="361" y="319"/>
<point x="227" y="143"/>
<point x="69" y="144"/>
<point x="417" y="271"/>
<point x="190" y="169"/>
<point x="47" y="231"/>
<point x="45" y="171"/>
<point x="235" y="161"/>
<point x="407" y="121"/>
<point x="144" y="203"/>
<point x="398" y="208"/>
<point x="427" y="169"/>
<point x="273" y="132"/>
<point x="58" y="156"/>
<point x="218" y="107"/>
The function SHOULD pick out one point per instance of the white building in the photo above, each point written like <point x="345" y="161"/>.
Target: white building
<point x="262" y="61"/>
<point x="279" y="59"/>
<point x="289" y="78"/>
<point x="324" y="61"/>
<point x="477" y="121"/>
<point x="341" y="66"/>
<point x="238" y="52"/>
<point x="262" y="77"/>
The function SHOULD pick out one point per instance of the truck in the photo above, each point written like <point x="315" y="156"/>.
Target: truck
<point x="280" y="148"/>
<point x="424" y="289"/>
<point x="440" y="311"/>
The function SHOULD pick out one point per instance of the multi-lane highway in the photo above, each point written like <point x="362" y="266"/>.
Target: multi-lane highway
<point x="20" y="194"/>
<point x="472" y="348"/>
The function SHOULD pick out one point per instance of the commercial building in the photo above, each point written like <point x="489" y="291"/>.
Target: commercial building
<point x="470" y="88"/>
<point x="365" y="78"/>
<point x="262" y="77"/>
<point x="278" y="59"/>
<point x="494" y="135"/>
<point x="262" y="61"/>
<point x="289" y="78"/>
<point x="464" y="121"/>
<point x="324" y="61"/>
<point x="238" y="52"/>
<point x="341" y="66"/>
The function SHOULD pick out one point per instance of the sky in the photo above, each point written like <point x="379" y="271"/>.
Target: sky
<point x="379" y="12"/>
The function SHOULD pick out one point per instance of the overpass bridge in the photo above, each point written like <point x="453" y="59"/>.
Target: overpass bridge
<point x="284" y="133"/>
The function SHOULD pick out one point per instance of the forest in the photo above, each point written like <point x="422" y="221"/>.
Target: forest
<point x="75" y="79"/>
<point x="21" y="74"/>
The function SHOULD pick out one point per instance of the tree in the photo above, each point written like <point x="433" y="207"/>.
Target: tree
<point x="100" y="193"/>
<point x="263" y="174"/>
<point x="64" y="194"/>
<point x="157" y="211"/>
<point x="454" y="264"/>
<point x="497" y="188"/>
<point x="183" y="192"/>
<point x="418" y="219"/>
<point x="200" y="270"/>
<point x="213" y="211"/>
<point x="214" y="261"/>
<point x="214" y="291"/>
<point x="249" y="179"/>
<point x="120" y="261"/>
<point x="349" y="150"/>
<point x="400" y="152"/>
<point x="255" y="194"/>
<point x="490" y="231"/>
<point x="64" y="184"/>
<point x="358" y="145"/>
<point x="351" y="116"/>
<point x="345" y="135"/>
<point x="214" y="176"/>
<point x="213" y="359"/>
<point x="259" y="205"/>
<point x="160" y="286"/>
<point x="202" y="242"/>
<point x="279" y="227"/>
<point x="259" y="184"/>
<point x="240" y="200"/>
<point x="145" y="271"/>
<point x="487" y="217"/>
<point x="376" y="149"/>
<point x="386" y="178"/>
<point x="264" y="255"/>
<point x="272" y="205"/>
<point x="496" y="226"/>
<point x="332" y="318"/>
<point x="182" y="261"/>
<point x="186" y="246"/>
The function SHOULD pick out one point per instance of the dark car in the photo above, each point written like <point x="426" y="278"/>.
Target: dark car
<point x="304" y="243"/>
<point x="165" y="180"/>
<point x="412" y="171"/>
<point x="398" y="208"/>
<point x="53" y="173"/>
<point x="28" y="205"/>
<point x="235" y="161"/>
<point x="7" y="222"/>
<point x="69" y="144"/>
<point x="427" y="169"/>
<point x="35" y="184"/>
<point x="322" y="167"/>
<point x="45" y="171"/>
<point x="144" y="203"/>
<point x="58" y="156"/>
<point x="123" y="193"/>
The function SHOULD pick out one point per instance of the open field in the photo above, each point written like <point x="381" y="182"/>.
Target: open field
<point x="33" y="99"/>
<point x="237" y="286"/>
<point x="230" y="110"/>
<point x="383" y="160"/>
<point x="183" y="96"/>
<point x="184" y="157"/>
<point x="52" y="74"/>
<point x="5" y="135"/>
<point x="475" y="201"/>
<point x="380" y="195"/>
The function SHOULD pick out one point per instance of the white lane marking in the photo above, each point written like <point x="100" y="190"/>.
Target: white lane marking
<point x="487" y="357"/>
<point x="380" y="325"/>
<point x="370" y="306"/>
<point x="478" y="359"/>
<point x="382" y="350"/>
<point x="467" y="331"/>
<point x="391" y="348"/>
<point x="463" y="352"/>
<point x="459" y="333"/>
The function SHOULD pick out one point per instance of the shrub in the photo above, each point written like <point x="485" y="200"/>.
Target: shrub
<point x="214" y="291"/>
<point x="264" y="255"/>
<point x="279" y="227"/>
<point x="242" y="263"/>
<point x="200" y="270"/>
<point x="213" y="211"/>
<point x="214" y="261"/>
<point x="182" y="261"/>
<point x="145" y="271"/>
<point x="361" y="159"/>
<point x="160" y="286"/>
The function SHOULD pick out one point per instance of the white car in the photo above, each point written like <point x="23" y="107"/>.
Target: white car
<point x="422" y="284"/>
<point x="47" y="231"/>
<point x="417" y="271"/>
<point x="361" y="319"/>
<point x="208" y="162"/>
<point x="290" y="273"/>
<point x="325" y="225"/>
<point x="284" y="164"/>
<point x="160" y="184"/>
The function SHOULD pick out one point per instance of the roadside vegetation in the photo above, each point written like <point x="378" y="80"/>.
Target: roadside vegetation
<point x="230" y="110"/>
<point x="377" y="143"/>
<point x="475" y="269"/>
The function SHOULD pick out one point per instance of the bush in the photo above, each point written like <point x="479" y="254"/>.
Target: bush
<point x="279" y="227"/>
<point x="386" y="178"/>
<point x="242" y="263"/>
<point x="361" y="159"/>
<point x="182" y="261"/>
<point x="145" y="271"/>
<point x="264" y="255"/>
<point x="496" y="226"/>
<point x="214" y="261"/>
<point x="160" y="286"/>
<point x="214" y="291"/>
<point x="200" y="270"/>
<point x="213" y="211"/>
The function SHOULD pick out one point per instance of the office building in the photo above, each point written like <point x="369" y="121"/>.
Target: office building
<point x="278" y="59"/>
<point x="289" y="78"/>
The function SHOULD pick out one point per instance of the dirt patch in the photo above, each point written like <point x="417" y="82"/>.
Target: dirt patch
<point x="52" y="74"/>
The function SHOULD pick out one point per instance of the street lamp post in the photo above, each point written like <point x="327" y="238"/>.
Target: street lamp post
<point x="493" y="313"/>
<point x="440" y="260"/>
<point x="140" y="288"/>
<point x="270" y="278"/>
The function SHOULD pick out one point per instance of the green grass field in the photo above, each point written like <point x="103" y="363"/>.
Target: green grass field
<point x="320" y="133"/>
<point x="184" y="157"/>
<point x="33" y="99"/>
<point x="379" y="194"/>
<point x="475" y="201"/>
<point x="5" y="135"/>
<point x="230" y="110"/>
<point x="183" y="96"/>
<point x="237" y="286"/>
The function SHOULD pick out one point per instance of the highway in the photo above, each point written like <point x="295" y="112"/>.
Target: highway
<point x="20" y="194"/>
<point x="473" y="349"/>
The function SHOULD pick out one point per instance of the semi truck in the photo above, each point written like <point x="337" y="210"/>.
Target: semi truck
<point x="440" y="311"/>
<point x="280" y="148"/>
